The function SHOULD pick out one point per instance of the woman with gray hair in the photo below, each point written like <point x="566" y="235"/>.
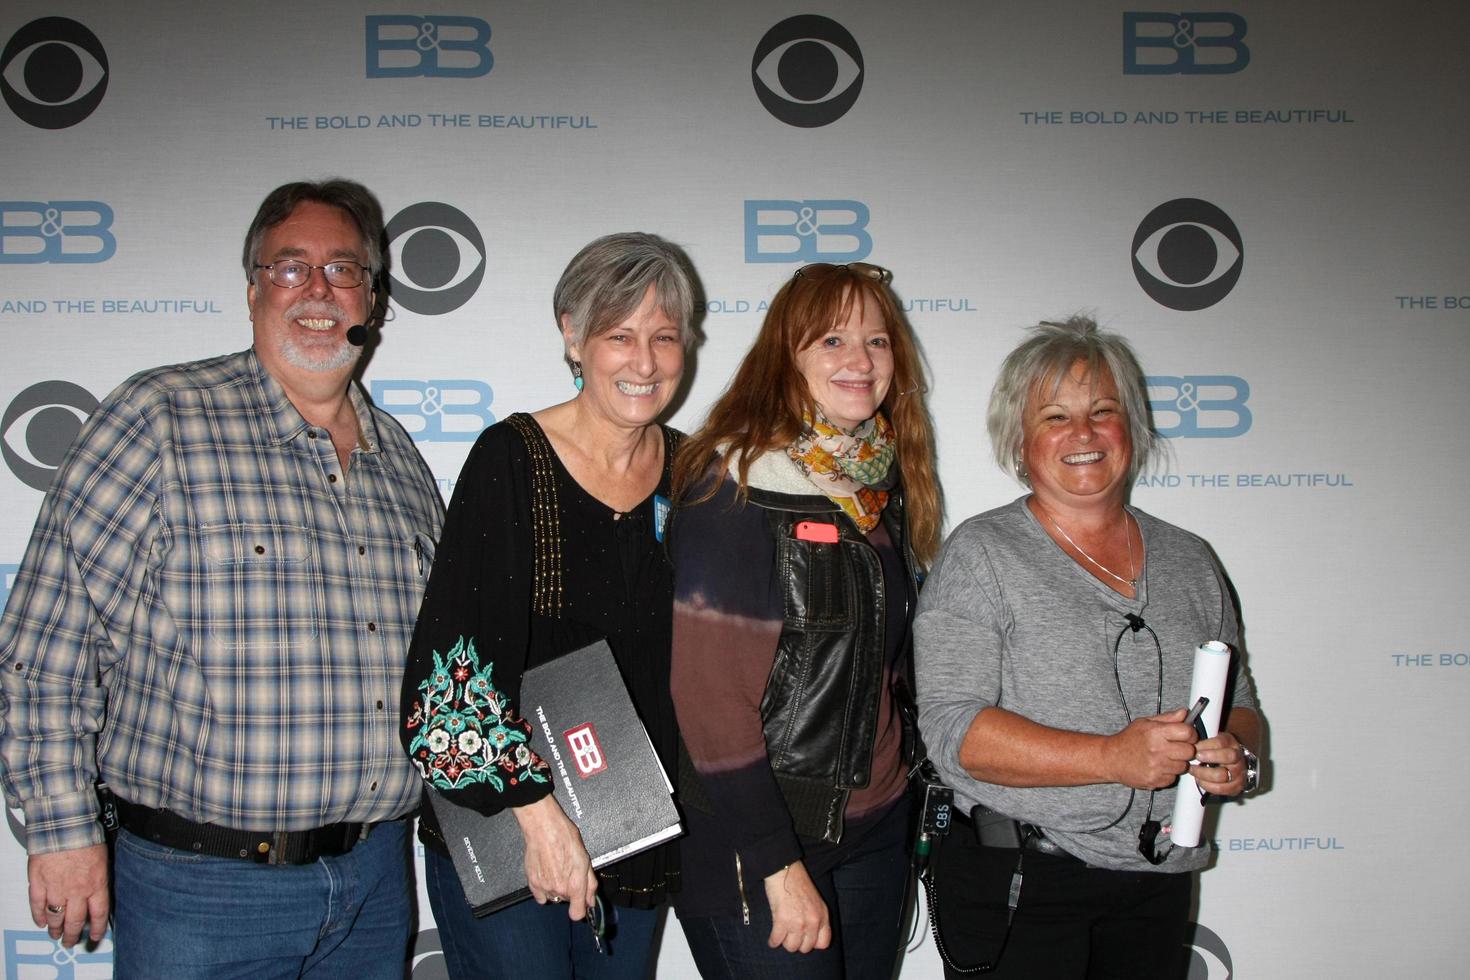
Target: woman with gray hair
<point x="1054" y="648"/>
<point x="553" y="541"/>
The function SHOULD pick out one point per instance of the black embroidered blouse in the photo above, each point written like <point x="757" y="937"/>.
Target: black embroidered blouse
<point x="531" y="566"/>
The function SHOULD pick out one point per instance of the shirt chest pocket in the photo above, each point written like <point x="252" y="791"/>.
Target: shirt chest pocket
<point x="817" y="584"/>
<point x="262" y="584"/>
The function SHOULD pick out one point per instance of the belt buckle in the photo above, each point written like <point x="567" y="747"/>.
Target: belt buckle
<point x="276" y="855"/>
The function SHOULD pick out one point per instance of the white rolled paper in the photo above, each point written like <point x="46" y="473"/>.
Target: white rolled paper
<point x="1211" y="670"/>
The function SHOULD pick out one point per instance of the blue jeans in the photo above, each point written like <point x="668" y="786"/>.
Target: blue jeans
<point x="863" y="895"/>
<point x="529" y="940"/>
<point x="182" y="915"/>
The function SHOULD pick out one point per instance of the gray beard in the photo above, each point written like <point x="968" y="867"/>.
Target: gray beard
<point x="331" y="359"/>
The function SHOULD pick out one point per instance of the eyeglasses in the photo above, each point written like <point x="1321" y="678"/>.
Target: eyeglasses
<point x="863" y="270"/>
<point x="293" y="273"/>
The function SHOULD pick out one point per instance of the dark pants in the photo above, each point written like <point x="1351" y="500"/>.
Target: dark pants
<point x="529" y="941"/>
<point x="1072" y="921"/>
<point x="863" y="896"/>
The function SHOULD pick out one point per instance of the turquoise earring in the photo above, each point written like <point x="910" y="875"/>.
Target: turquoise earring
<point x="577" y="374"/>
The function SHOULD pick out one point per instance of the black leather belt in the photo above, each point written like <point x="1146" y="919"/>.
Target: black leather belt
<point x="992" y="829"/>
<point x="263" y="847"/>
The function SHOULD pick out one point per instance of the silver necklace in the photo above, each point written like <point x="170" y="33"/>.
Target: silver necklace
<point x="1132" y="583"/>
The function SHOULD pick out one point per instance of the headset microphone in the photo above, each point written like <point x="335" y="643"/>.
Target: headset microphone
<point x="357" y="335"/>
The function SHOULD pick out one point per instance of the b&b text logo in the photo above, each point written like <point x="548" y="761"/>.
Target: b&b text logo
<point x="53" y="73"/>
<point x="806" y="231"/>
<point x="39" y="426"/>
<point x="1187" y="254"/>
<point x="586" y="749"/>
<point x="454" y="410"/>
<point x="407" y="46"/>
<point x="32" y="953"/>
<point x="807" y="71"/>
<point x="7" y="582"/>
<point x="55" y="231"/>
<point x="1189" y="43"/>
<point x="1199" y="406"/>
<point x="438" y="258"/>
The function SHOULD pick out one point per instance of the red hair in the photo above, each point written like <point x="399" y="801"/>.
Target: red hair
<point x="763" y="407"/>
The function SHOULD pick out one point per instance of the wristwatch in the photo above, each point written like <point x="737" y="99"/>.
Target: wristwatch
<point x="1252" y="771"/>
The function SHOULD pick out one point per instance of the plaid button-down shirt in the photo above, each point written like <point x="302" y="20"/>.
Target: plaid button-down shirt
<point x="213" y="615"/>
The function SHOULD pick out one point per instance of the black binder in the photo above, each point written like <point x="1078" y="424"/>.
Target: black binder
<point x="606" y="775"/>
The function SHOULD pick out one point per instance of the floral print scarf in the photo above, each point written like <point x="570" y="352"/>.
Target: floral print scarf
<point x="850" y="468"/>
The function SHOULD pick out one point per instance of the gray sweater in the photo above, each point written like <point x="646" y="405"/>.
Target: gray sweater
<point x="1008" y="619"/>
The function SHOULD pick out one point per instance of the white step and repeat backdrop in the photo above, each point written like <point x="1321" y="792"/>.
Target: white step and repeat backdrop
<point x="1269" y="199"/>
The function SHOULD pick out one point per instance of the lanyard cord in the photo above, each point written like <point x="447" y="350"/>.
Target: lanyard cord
<point x="1136" y="624"/>
<point x="1148" y="834"/>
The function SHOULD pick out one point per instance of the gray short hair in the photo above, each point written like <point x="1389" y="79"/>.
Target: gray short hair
<point x="605" y="282"/>
<point x="353" y="198"/>
<point x="1044" y="359"/>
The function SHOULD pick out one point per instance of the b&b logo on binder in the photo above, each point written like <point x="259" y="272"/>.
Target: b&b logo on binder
<point x="586" y="750"/>
<point x="626" y="809"/>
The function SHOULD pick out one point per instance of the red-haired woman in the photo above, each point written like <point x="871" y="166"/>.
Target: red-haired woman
<point x="806" y="504"/>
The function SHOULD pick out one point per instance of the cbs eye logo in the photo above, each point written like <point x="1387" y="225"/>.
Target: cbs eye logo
<point x="53" y="73"/>
<point x="428" y="956"/>
<point x="39" y="426"/>
<point x="807" y="71"/>
<point x="438" y="258"/>
<point x="1209" y="959"/>
<point x="1187" y="254"/>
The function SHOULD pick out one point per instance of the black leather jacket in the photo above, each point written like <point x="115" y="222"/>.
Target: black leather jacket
<point x="820" y="708"/>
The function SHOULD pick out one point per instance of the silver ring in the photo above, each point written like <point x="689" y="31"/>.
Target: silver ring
<point x="555" y="899"/>
<point x="55" y="909"/>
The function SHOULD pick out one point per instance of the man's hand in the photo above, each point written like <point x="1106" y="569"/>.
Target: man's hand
<point x="68" y="890"/>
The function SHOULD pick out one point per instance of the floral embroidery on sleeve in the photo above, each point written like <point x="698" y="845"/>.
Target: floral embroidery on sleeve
<point x="463" y="731"/>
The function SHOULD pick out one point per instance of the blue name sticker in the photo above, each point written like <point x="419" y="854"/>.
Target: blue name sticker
<point x="661" y="508"/>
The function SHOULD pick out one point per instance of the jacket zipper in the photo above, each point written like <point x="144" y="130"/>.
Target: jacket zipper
<point x="740" y="883"/>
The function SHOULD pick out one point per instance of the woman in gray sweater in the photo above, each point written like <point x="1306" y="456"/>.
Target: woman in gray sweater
<point x="1054" y="649"/>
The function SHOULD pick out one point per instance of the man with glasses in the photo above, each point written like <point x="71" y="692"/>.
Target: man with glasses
<point x="211" y="619"/>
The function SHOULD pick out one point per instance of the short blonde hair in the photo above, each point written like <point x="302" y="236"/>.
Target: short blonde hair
<point x="1043" y="359"/>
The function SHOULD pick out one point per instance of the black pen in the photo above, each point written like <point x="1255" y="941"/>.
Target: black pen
<point x="1193" y="718"/>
